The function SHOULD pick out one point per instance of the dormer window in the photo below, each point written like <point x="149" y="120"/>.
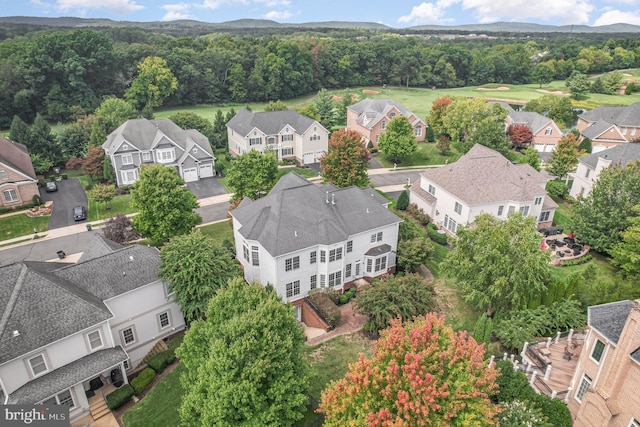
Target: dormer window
<point x="392" y="115"/>
<point x="547" y="131"/>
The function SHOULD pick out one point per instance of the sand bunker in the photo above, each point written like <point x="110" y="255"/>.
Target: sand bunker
<point x="370" y="92"/>
<point x="553" y="92"/>
<point x="627" y="75"/>
<point x="493" y="88"/>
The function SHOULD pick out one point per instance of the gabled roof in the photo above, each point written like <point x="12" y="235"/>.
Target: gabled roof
<point x="371" y="111"/>
<point x="297" y="214"/>
<point x="534" y="121"/>
<point x="620" y="116"/>
<point x="16" y="156"/>
<point x="99" y="246"/>
<point x="270" y="122"/>
<point x="596" y="129"/>
<point x="143" y="133"/>
<point x="609" y="319"/>
<point x="622" y="154"/>
<point x="485" y="176"/>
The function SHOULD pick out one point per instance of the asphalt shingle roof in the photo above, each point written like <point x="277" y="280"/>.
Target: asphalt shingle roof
<point x="374" y="110"/>
<point x="16" y="156"/>
<point x="99" y="247"/>
<point x="534" y="121"/>
<point x="597" y="129"/>
<point x="485" y="176"/>
<point x="609" y="319"/>
<point x="621" y="116"/>
<point x="68" y="375"/>
<point x="270" y="122"/>
<point x="296" y="215"/>
<point x="622" y="154"/>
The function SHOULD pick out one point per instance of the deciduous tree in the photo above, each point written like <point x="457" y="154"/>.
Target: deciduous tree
<point x="565" y="157"/>
<point x="520" y="135"/>
<point x="578" y="84"/>
<point x="557" y="108"/>
<point x="119" y="229"/>
<point x="114" y="112"/>
<point x="532" y="158"/>
<point x="188" y="120"/>
<point x="422" y="373"/>
<point x="347" y="160"/>
<point x="244" y="365"/>
<point x="196" y="266"/>
<point x="252" y="175"/>
<point x="435" y="119"/>
<point x="154" y="83"/>
<point x="398" y="140"/>
<point x="626" y="253"/>
<point x="490" y="133"/>
<point x="102" y="193"/>
<point x="498" y="264"/>
<point x="165" y="209"/>
<point x="93" y="162"/>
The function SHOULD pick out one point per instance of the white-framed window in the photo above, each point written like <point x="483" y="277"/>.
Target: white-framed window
<point x="418" y="130"/>
<point x="585" y="384"/>
<point x="598" y="349"/>
<point x="548" y="131"/>
<point x="624" y="131"/>
<point x="582" y="191"/>
<point x="537" y="201"/>
<point x="287" y="151"/>
<point x="129" y="176"/>
<point x="127" y="159"/>
<point x="164" y="320"/>
<point x="166" y="155"/>
<point x="500" y="210"/>
<point x="634" y="423"/>
<point x="10" y="195"/>
<point x="544" y="216"/>
<point x="432" y="190"/>
<point x="64" y="398"/>
<point x="369" y="265"/>
<point x="313" y="281"/>
<point x="293" y="288"/>
<point x="376" y="237"/>
<point x="335" y="254"/>
<point x="38" y="365"/>
<point x="126" y="365"/>
<point x="292" y="263"/>
<point x="350" y="246"/>
<point x="323" y="280"/>
<point x="357" y="268"/>
<point x="347" y="271"/>
<point x="512" y="209"/>
<point x="458" y="208"/>
<point x="146" y="156"/>
<point x="95" y="339"/>
<point x="3" y="175"/>
<point x="128" y="336"/>
<point x="315" y="137"/>
<point x="255" y="257"/>
<point x="335" y="279"/>
<point x="287" y="137"/>
<point x="271" y="140"/>
<point x="524" y="210"/>
<point x="633" y="131"/>
<point x="383" y="125"/>
<point x="313" y="257"/>
<point x="392" y="115"/>
<point x="323" y="256"/>
<point x="255" y="141"/>
<point x="586" y="174"/>
<point x="381" y="263"/>
<point x="245" y="252"/>
<point x="450" y="224"/>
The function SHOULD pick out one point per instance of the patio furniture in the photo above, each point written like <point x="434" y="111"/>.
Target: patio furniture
<point x="545" y="351"/>
<point x="568" y="355"/>
<point x="560" y="243"/>
<point x="560" y="254"/>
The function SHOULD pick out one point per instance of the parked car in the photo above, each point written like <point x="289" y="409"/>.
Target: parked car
<point x="79" y="213"/>
<point x="51" y="186"/>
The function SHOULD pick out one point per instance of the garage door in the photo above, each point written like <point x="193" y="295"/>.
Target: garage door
<point x="190" y="174"/>
<point x="206" y="170"/>
<point x="307" y="158"/>
<point x="318" y="155"/>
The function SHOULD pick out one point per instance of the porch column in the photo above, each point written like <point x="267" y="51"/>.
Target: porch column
<point x="570" y="336"/>
<point x="504" y="356"/>
<point x="566" y="398"/>
<point x="557" y="337"/>
<point x="548" y="342"/>
<point x="553" y="394"/>
<point x="533" y="378"/>
<point x="491" y="360"/>
<point x="547" y="372"/>
<point x="524" y="349"/>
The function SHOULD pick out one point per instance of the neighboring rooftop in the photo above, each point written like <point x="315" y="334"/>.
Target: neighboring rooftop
<point x="622" y="154"/>
<point x="609" y="319"/>
<point x="269" y="122"/>
<point x="16" y="156"/>
<point x="371" y="111"/>
<point x="621" y="116"/>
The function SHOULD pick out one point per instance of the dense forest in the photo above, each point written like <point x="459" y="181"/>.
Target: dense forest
<point x="65" y="74"/>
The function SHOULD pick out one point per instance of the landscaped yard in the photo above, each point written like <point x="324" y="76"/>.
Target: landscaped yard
<point x="220" y="231"/>
<point x="18" y="225"/>
<point x="426" y="154"/>
<point x="119" y="205"/>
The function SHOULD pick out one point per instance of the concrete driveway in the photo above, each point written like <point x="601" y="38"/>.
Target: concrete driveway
<point x="70" y="194"/>
<point x="206" y="187"/>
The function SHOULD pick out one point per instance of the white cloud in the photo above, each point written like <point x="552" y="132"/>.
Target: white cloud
<point x="276" y="14"/>
<point x="273" y="3"/>
<point x="428" y="13"/>
<point x="618" y="16"/>
<point x="176" y="11"/>
<point x="118" y="6"/>
<point x="627" y="2"/>
<point x="214" y="4"/>
<point x="563" y="11"/>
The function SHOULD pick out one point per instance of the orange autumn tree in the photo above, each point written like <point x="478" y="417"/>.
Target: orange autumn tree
<point x="422" y="374"/>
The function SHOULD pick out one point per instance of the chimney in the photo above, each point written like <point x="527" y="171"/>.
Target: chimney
<point x="333" y="199"/>
<point x="327" y="197"/>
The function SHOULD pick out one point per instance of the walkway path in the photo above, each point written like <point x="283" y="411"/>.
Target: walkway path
<point x="351" y="322"/>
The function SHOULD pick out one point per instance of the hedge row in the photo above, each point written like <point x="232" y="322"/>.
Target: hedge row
<point x="328" y="309"/>
<point x="432" y="232"/>
<point x="119" y="397"/>
<point x="161" y="360"/>
<point x="143" y="379"/>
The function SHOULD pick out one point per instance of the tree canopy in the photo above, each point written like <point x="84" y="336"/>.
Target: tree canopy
<point x="398" y="139"/>
<point x="422" y="373"/>
<point x="626" y="253"/>
<point x="347" y="160"/>
<point x="252" y="175"/>
<point x="462" y="116"/>
<point x="498" y="264"/>
<point x="196" y="266"/>
<point x="165" y="209"/>
<point x="565" y="157"/>
<point x="154" y="83"/>
<point x="578" y="84"/>
<point x="244" y="365"/>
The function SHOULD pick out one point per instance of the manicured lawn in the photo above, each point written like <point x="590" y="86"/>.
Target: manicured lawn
<point x="433" y="263"/>
<point x="563" y="215"/>
<point x="119" y="205"/>
<point x="21" y="225"/>
<point x="160" y="406"/>
<point x="427" y="154"/>
<point x="220" y="231"/>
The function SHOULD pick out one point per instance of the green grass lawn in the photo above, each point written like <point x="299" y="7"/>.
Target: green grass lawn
<point x="220" y="231"/>
<point x="21" y="225"/>
<point x="119" y="205"/>
<point x="426" y="154"/>
<point x="563" y="215"/>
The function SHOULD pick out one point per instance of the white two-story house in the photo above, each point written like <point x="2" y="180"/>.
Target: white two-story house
<point x="482" y="181"/>
<point x="302" y="236"/>
<point x="140" y="141"/>
<point x="64" y="327"/>
<point x="288" y="134"/>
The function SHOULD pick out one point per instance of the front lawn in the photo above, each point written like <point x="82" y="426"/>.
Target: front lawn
<point x="426" y="154"/>
<point x="18" y="225"/>
<point x="119" y="205"/>
<point x="220" y="231"/>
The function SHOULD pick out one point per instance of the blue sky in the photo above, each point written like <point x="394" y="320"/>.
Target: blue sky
<point x="397" y="14"/>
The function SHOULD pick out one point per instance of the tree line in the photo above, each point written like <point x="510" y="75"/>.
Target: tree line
<point x="64" y="75"/>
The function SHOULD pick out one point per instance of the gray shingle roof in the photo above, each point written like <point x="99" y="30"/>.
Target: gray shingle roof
<point x="68" y="375"/>
<point x="270" y="122"/>
<point x="485" y="176"/>
<point x="295" y="215"/>
<point x="374" y="110"/>
<point x="622" y="154"/>
<point x="597" y="129"/>
<point x="534" y="121"/>
<point x="609" y="319"/>
<point x="98" y="247"/>
<point x="621" y="116"/>
<point x="16" y="156"/>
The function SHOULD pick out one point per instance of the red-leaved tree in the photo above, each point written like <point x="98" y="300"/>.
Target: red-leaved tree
<point x="347" y="161"/>
<point x="93" y="161"/>
<point x="422" y="373"/>
<point x="520" y="135"/>
<point x="438" y="111"/>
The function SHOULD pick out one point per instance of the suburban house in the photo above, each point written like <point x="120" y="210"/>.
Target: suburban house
<point x="65" y="328"/>
<point x="303" y="236"/>
<point x="140" y="141"/>
<point x="546" y="132"/>
<point x="370" y="117"/>
<point x="604" y="388"/>
<point x="288" y="134"/>
<point x="607" y="127"/>
<point x="589" y="167"/>
<point x="482" y="181"/>
<point x="18" y="181"/>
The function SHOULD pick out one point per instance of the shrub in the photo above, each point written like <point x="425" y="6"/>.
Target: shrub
<point x="403" y="201"/>
<point x="577" y="261"/>
<point x="143" y="379"/>
<point x="36" y="200"/>
<point x="432" y="232"/>
<point x="327" y="308"/>
<point x="161" y="360"/>
<point x="119" y="397"/>
<point x="557" y="189"/>
<point x="418" y="214"/>
<point x="65" y="176"/>
<point x="347" y="296"/>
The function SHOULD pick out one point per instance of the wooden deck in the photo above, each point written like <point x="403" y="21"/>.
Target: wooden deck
<point x="562" y="365"/>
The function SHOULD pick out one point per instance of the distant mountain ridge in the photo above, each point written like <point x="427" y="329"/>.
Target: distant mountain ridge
<point x="496" y="27"/>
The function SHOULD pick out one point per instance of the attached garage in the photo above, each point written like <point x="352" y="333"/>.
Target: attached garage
<point x="307" y="158"/>
<point x="190" y="174"/>
<point x="206" y="170"/>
